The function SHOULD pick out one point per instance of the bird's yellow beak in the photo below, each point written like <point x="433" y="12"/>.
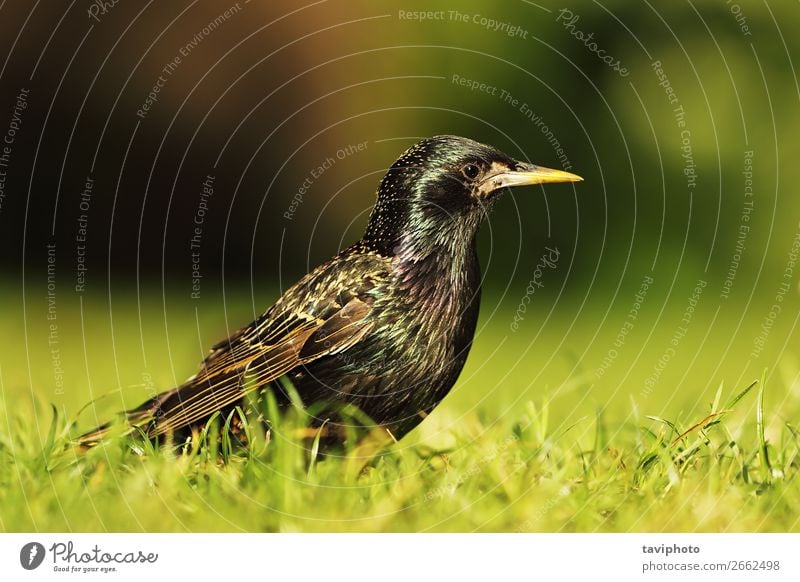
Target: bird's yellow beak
<point x="523" y="175"/>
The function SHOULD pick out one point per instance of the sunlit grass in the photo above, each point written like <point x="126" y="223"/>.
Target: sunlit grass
<point x="702" y="474"/>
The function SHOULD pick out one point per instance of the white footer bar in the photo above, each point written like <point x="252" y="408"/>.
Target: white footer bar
<point x="389" y="557"/>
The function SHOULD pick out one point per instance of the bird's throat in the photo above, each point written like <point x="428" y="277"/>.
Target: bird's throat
<point x="439" y="276"/>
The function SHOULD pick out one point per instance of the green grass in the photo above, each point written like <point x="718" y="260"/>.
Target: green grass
<point x="570" y="455"/>
<point x="517" y="475"/>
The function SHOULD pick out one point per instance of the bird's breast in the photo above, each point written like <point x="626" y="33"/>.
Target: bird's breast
<point x="437" y="315"/>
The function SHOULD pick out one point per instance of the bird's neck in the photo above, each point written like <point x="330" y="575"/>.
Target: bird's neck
<point x="439" y="270"/>
<point x="432" y="251"/>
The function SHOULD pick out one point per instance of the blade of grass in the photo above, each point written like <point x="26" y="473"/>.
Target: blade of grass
<point x="717" y="398"/>
<point x="227" y="443"/>
<point x="47" y="450"/>
<point x="249" y="434"/>
<point x="670" y="424"/>
<point x="315" y="449"/>
<point x="706" y="422"/>
<point x="600" y="437"/>
<point x="766" y="468"/>
<point x="741" y="394"/>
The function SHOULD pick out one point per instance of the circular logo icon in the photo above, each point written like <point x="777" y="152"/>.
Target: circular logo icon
<point x="31" y="555"/>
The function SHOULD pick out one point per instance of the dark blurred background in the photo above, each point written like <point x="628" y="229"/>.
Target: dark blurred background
<point x="667" y="110"/>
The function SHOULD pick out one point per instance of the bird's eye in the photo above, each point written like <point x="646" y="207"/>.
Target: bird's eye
<point x="471" y="171"/>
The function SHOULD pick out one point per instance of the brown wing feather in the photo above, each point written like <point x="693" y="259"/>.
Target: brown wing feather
<point x="343" y="329"/>
<point x="221" y="382"/>
<point x="252" y="341"/>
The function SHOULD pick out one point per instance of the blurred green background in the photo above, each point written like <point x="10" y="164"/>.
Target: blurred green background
<point x="675" y="267"/>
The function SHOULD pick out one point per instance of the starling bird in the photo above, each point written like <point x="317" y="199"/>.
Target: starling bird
<point x="385" y="325"/>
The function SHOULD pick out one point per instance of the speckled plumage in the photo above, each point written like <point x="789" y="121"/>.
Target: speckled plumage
<point x="386" y="324"/>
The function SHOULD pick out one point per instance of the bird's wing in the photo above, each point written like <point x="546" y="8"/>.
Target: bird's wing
<point x="261" y="353"/>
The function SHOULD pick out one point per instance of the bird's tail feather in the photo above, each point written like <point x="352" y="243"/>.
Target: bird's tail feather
<point x="129" y="420"/>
